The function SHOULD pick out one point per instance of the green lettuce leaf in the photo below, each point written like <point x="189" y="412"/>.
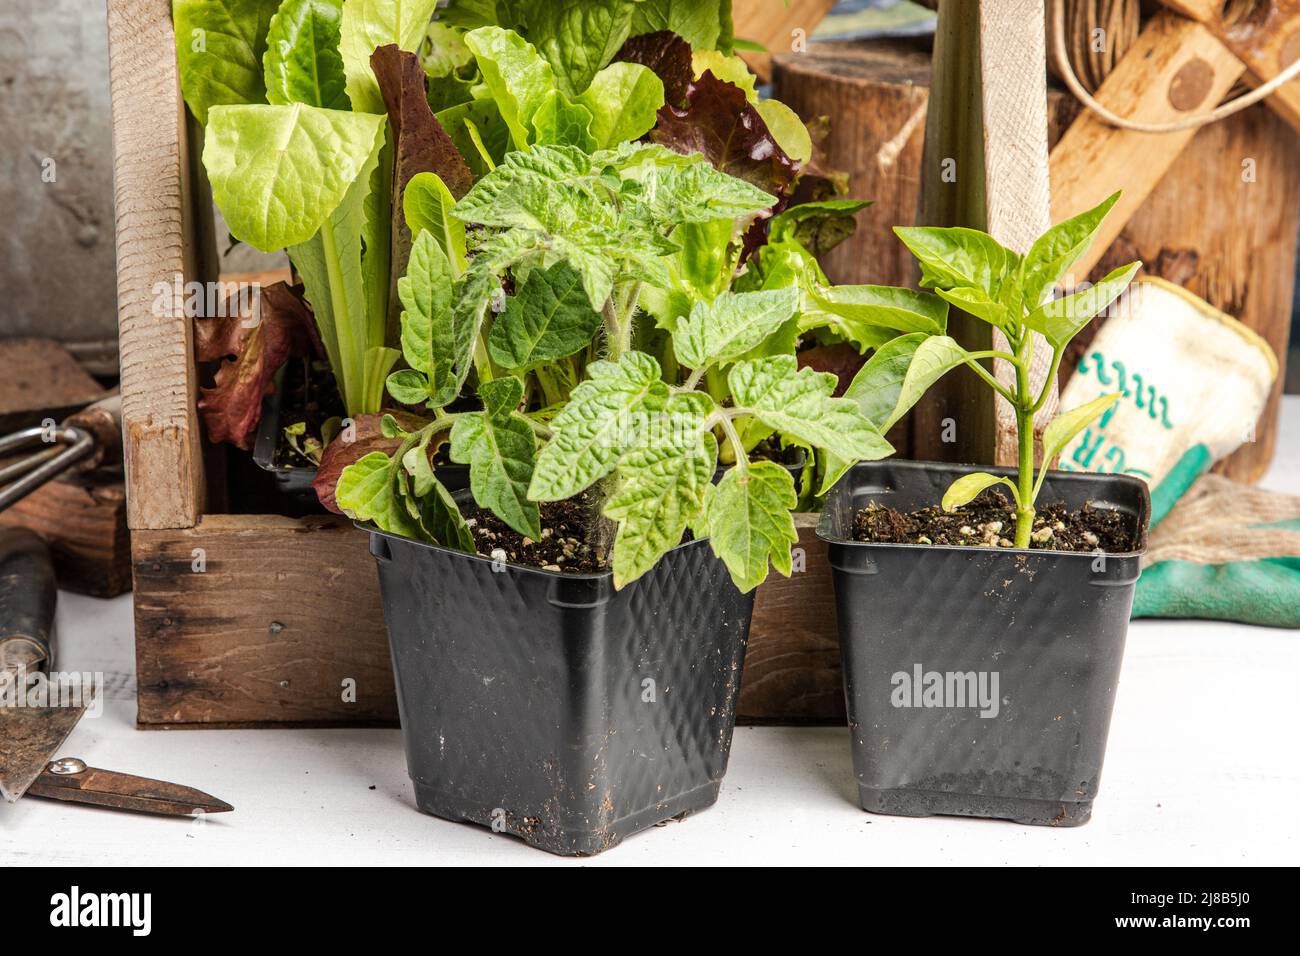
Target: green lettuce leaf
<point x="517" y="76"/>
<point x="623" y="99"/>
<point x="279" y="172"/>
<point x="302" y="61"/>
<point x="427" y="204"/>
<point x="370" y="24"/>
<point x="577" y="39"/>
<point x="219" y="49"/>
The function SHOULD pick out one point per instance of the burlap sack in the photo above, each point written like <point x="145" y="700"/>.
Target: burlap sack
<point x="1188" y="373"/>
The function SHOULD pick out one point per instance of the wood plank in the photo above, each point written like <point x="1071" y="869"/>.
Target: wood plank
<point x="1013" y="81"/>
<point x="792" y="664"/>
<point x="265" y="629"/>
<point x="773" y="23"/>
<point x="985" y="167"/>
<point x="153" y="206"/>
<point x="40" y="379"/>
<point x="83" y="519"/>
<point x="1175" y="68"/>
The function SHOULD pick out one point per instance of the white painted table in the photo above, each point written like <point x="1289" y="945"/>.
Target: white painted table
<point x="1202" y="768"/>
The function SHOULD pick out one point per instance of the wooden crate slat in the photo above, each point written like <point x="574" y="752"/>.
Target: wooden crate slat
<point x="154" y="250"/>
<point x="792" y="664"/>
<point x="283" y="612"/>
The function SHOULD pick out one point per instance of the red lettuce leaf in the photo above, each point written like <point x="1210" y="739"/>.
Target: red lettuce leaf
<point x="251" y="349"/>
<point x="668" y="55"/>
<point x="350" y="447"/>
<point x="422" y="145"/>
<point x="721" y="123"/>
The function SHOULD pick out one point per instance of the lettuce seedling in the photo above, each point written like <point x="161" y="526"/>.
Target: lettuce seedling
<point x="561" y="249"/>
<point x="971" y="270"/>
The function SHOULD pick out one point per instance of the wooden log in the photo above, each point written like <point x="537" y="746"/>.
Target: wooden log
<point x="255" y="620"/>
<point x="985" y="167"/>
<point x="875" y="93"/>
<point x="156" y="249"/>
<point x="83" y="519"/>
<point x="792" y="665"/>
<point x="1223" y="223"/>
<point x="778" y="25"/>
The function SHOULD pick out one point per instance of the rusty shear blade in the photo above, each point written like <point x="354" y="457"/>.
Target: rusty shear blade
<point x="62" y="780"/>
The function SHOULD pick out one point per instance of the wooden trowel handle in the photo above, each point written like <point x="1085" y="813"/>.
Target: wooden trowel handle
<point x="104" y="422"/>
<point x="27" y="596"/>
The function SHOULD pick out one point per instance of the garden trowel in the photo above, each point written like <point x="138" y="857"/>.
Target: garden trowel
<point x="36" y="719"/>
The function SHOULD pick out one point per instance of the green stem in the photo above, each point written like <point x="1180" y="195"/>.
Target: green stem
<point x="351" y="374"/>
<point x="737" y="447"/>
<point x="613" y="334"/>
<point x="1025" y="479"/>
<point x="1047" y="382"/>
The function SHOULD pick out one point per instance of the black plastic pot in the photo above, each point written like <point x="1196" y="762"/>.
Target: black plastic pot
<point x="1040" y="632"/>
<point x="294" y="482"/>
<point x="553" y="707"/>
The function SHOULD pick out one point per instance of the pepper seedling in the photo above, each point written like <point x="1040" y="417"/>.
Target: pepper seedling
<point x="972" y="271"/>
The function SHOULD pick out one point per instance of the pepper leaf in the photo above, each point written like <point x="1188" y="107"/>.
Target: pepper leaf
<point x="955" y="257"/>
<point x="1057" y="250"/>
<point x="933" y="358"/>
<point x="876" y="388"/>
<point x="749" y="522"/>
<point x="1065" y="426"/>
<point x="1061" y="319"/>
<point x="966" y="488"/>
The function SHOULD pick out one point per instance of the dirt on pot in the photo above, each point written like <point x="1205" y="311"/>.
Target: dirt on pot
<point x="990" y="521"/>
<point x="563" y="545"/>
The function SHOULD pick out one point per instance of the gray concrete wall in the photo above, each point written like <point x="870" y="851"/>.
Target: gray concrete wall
<point x="56" y="173"/>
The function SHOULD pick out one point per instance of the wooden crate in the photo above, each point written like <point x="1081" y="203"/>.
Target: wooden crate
<point x="246" y="620"/>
